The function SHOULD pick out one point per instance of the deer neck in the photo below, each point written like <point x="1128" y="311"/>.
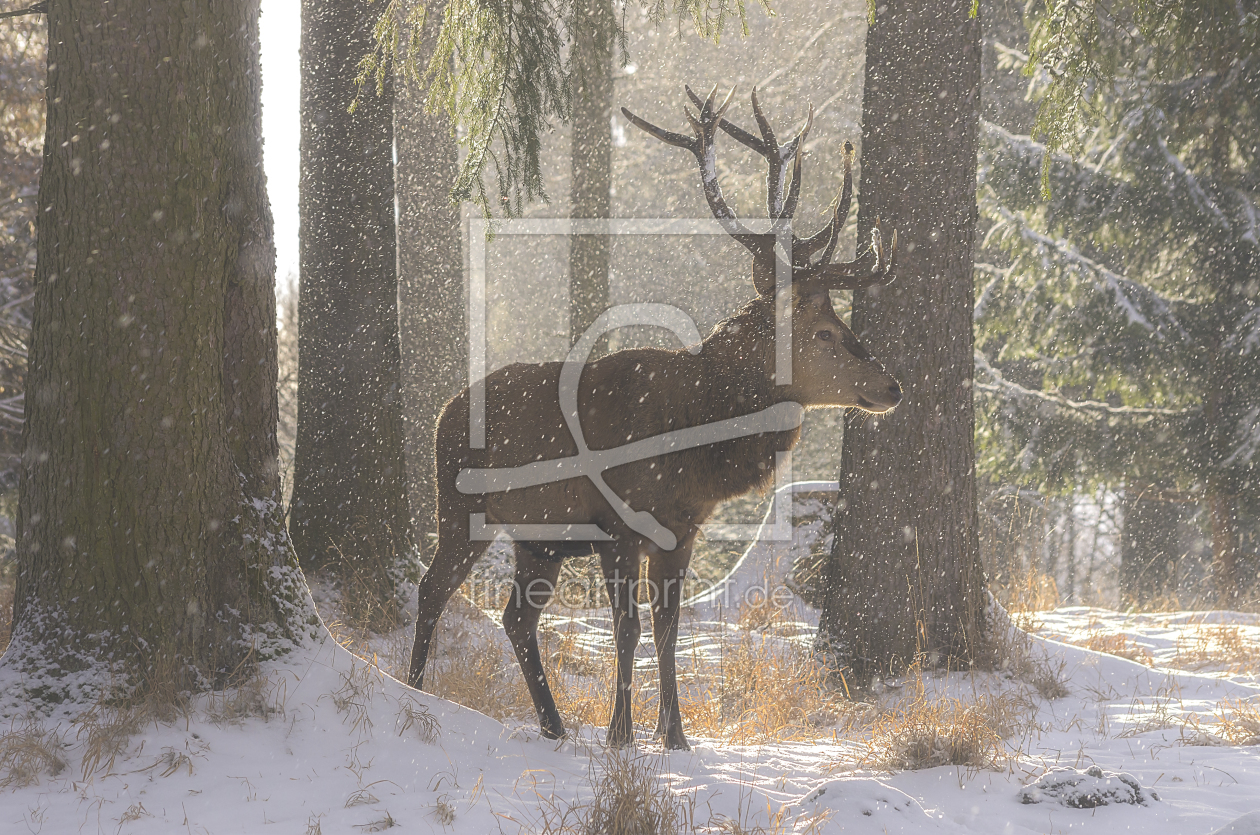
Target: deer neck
<point x="737" y="366"/>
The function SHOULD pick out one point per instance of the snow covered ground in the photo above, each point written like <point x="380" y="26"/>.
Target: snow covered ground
<point x="326" y="742"/>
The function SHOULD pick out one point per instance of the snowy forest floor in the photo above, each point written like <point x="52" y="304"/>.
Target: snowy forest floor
<point x="328" y="741"/>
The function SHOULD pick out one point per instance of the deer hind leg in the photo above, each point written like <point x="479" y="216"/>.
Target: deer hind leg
<point x="454" y="558"/>
<point x="535" y="582"/>
<point x="620" y="564"/>
<point x="666" y="572"/>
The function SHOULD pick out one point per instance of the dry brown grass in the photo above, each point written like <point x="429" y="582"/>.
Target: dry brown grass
<point x="762" y="690"/>
<point x="631" y="795"/>
<point x="759" y="689"/>
<point x="631" y="799"/>
<point x="1016" y="653"/>
<point x="253" y="696"/>
<point x="1120" y="645"/>
<point x="412" y="714"/>
<point x="106" y="733"/>
<point x="1224" y="646"/>
<point x="1030" y="591"/>
<point x="483" y="680"/>
<point x="921" y="731"/>
<point x="1239" y="722"/>
<point x="29" y="751"/>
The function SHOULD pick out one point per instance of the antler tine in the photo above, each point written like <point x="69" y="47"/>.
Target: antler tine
<point x="708" y="100"/>
<point x="859" y="272"/>
<point x="763" y="124"/>
<point x="726" y="102"/>
<point x="829" y="235"/>
<point x="794" y="192"/>
<point x="798" y="141"/>
<point x="666" y="136"/>
<point x="735" y="132"/>
<point x="704" y="126"/>
<point x="892" y="255"/>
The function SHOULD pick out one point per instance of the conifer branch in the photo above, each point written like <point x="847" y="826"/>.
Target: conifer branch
<point x="498" y="73"/>
<point x="1092" y="408"/>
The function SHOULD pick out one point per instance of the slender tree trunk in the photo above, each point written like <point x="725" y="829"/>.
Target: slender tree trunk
<point x="431" y="278"/>
<point x="1149" y="544"/>
<point x="349" y="509"/>
<point x="1222" y="415"/>
<point x="905" y="574"/>
<point x="1224" y="514"/>
<point x="149" y="525"/>
<point x="590" y="188"/>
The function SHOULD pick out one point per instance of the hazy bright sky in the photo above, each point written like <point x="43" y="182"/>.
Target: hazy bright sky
<point x="281" y="35"/>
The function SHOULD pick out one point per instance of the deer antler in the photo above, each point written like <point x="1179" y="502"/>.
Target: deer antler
<point x="704" y="127"/>
<point x="775" y="154"/>
<point x="851" y="275"/>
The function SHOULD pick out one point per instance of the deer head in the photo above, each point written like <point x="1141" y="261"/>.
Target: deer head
<point x="830" y="367"/>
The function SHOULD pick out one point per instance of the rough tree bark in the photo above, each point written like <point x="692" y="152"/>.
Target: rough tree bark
<point x="904" y="575"/>
<point x="349" y="510"/>
<point x="149" y="527"/>
<point x="591" y="166"/>
<point x="431" y="278"/>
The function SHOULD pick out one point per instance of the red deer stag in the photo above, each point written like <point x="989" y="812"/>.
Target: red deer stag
<point x="659" y="404"/>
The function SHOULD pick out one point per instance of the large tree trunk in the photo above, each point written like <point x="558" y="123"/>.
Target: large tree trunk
<point x="349" y="510"/>
<point x="905" y="574"/>
<point x="431" y="278"/>
<point x="149" y="527"/>
<point x="591" y="181"/>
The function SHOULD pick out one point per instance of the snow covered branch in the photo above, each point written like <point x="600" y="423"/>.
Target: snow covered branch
<point x="1129" y="296"/>
<point x="1092" y="408"/>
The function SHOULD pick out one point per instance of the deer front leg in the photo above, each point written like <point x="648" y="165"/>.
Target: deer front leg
<point x="666" y="572"/>
<point x="620" y="565"/>
<point x="535" y="582"/>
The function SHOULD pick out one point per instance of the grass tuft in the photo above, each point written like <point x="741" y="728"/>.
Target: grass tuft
<point x="629" y="797"/>
<point x="1239" y="722"/>
<point x="28" y="752"/>
<point x="925" y="732"/>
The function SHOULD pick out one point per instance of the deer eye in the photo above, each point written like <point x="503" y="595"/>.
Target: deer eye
<point x="825" y="336"/>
